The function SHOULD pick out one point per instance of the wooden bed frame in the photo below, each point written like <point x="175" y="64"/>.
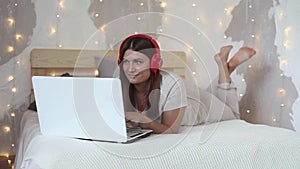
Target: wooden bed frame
<point x="77" y="62"/>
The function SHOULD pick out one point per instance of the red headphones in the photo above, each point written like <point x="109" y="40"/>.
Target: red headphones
<point x="156" y="61"/>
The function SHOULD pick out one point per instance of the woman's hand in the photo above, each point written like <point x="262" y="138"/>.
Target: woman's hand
<point x="137" y="117"/>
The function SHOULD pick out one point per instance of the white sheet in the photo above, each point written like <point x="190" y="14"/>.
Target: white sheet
<point x="228" y="144"/>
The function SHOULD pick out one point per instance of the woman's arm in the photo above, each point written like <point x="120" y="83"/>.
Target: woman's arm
<point x="170" y="121"/>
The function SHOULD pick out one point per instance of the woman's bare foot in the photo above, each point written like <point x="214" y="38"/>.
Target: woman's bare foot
<point x="241" y="56"/>
<point x="222" y="56"/>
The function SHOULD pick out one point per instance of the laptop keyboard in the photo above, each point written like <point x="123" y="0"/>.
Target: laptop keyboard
<point x="131" y="132"/>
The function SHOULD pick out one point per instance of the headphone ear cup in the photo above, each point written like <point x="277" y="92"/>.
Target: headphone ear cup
<point x="156" y="63"/>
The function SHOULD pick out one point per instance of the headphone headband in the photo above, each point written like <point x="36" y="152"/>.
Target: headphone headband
<point x="156" y="60"/>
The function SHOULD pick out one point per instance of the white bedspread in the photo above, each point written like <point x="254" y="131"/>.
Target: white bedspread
<point x="228" y="144"/>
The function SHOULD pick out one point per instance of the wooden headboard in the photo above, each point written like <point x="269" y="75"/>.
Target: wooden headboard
<point x="55" y="62"/>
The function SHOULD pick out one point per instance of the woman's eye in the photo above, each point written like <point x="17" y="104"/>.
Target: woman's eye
<point x="125" y="62"/>
<point x="138" y="62"/>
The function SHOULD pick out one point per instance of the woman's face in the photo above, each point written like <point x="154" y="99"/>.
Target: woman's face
<point x="136" y="66"/>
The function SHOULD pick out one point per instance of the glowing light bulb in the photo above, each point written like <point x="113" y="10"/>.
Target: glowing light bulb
<point x="18" y="37"/>
<point x="97" y="15"/>
<point x="253" y="36"/>
<point x="194" y="73"/>
<point x="100" y="1"/>
<point x="252" y="20"/>
<point x="6" y="129"/>
<point x="248" y="111"/>
<point x="10" y="21"/>
<point x="193" y="5"/>
<point x="220" y="23"/>
<point x="10" y="78"/>
<point x="60" y="45"/>
<point x="283" y="63"/>
<point x="52" y="31"/>
<point x="243" y="80"/>
<point x="138" y="18"/>
<point x="53" y="74"/>
<point x="225" y="37"/>
<point x="287" y="30"/>
<point x="249" y="66"/>
<point x="163" y="4"/>
<point x="281" y="74"/>
<point x="250" y="6"/>
<point x="10" y="49"/>
<point x="96" y="72"/>
<point x="57" y="15"/>
<point x="241" y="95"/>
<point x="16" y="4"/>
<point x="12" y="114"/>
<point x="96" y="42"/>
<point x="228" y="11"/>
<point x="12" y="145"/>
<point x="274" y="119"/>
<point x="282" y="105"/>
<point x="198" y="19"/>
<point x="61" y="4"/>
<point x="282" y="91"/>
<point x="287" y="44"/>
<point x="141" y="4"/>
<point x="102" y="28"/>
<point x="14" y="90"/>
<point x="195" y="60"/>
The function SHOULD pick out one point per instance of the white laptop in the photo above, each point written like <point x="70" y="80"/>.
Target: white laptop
<point x="83" y="107"/>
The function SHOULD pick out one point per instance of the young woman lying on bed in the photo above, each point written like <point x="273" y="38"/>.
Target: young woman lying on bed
<point x="156" y="99"/>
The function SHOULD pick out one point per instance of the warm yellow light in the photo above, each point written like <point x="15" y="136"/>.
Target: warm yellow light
<point x="282" y="91"/>
<point x="287" y="30"/>
<point x="163" y="4"/>
<point x="60" y="45"/>
<point x="283" y="62"/>
<point x="220" y="23"/>
<point x="198" y="19"/>
<point x="5" y="154"/>
<point x="12" y="114"/>
<point x="102" y="28"/>
<point x="12" y="145"/>
<point x="6" y="129"/>
<point x="53" y="74"/>
<point x="274" y="120"/>
<point x="61" y="4"/>
<point x="10" y="78"/>
<point x="10" y="49"/>
<point x="228" y="10"/>
<point x="10" y="21"/>
<point x="249" y="66"/>
<point x="248" y="111"/>
<point x="14" y="90"/>
<point x="141" y="4"/>
<point x="52" y="31"/>
<point x="96" y="72"/>
<point x="18" y="36"/>
<point x="287" y="44"/>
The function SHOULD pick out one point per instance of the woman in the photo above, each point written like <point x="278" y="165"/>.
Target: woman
<point x="156" y="99"/>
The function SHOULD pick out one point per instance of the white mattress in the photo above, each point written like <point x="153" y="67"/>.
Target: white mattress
<point x="228" y="144"/>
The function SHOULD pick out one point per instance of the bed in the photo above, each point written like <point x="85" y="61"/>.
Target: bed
<point x="226" y="144"/>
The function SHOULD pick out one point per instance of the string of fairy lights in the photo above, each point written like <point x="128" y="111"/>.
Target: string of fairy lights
<point x="9" y="128"/>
